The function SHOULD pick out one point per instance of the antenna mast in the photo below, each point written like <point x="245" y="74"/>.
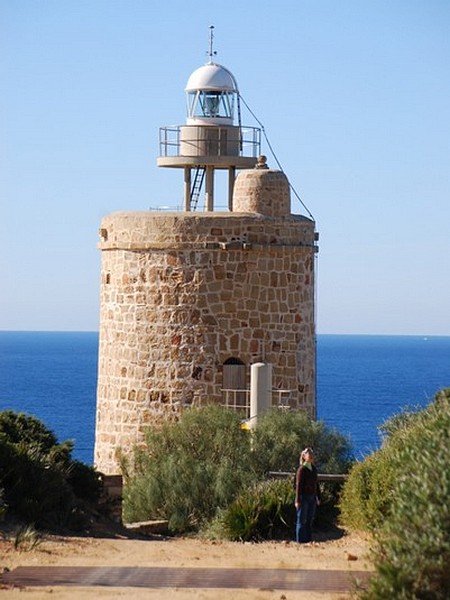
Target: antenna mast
<point x="211" y="52"/>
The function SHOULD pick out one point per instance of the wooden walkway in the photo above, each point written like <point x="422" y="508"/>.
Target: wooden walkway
<point x="167" y="577"/>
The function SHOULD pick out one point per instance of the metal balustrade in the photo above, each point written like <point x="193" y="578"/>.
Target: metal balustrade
<point x="239" y="400"/>
<point x="170" y="141"/>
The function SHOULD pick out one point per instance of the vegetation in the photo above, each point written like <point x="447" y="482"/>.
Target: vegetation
<point x="401" y="494"/>
<point x="201" y="469"/>
<point x="204" y="468"/>
<point x="40" y="482"/>
<point x="263" y="511"/>
<point x="26" y="538"/>
<point x="282" y="435"/>
<point x="367" y="494"/>
<point x="204" y="471"/>
<point x="188" y="469"/>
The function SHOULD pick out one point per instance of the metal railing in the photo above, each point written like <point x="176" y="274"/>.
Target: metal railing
<point x="170" y="141"/>
<point x="239" y="400"/>
<point x="341" y="477"/>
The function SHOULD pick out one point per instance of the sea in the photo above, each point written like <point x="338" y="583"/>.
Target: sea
<point x="362" y="380"/>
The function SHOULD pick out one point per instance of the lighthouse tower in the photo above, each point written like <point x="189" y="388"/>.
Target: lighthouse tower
<point x="210" y="139"/>
<point x="191" y="299"/>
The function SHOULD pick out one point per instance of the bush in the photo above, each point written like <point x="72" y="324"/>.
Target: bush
<point x="189" y="469"/>
<point x="85" y="481"/>
<point x="24" y="430"/>
<point x="33" y="490"/>
<point x="41" y="483"/>
<point x="282" y="435"/>
<point x="401" y="494"/>
<point x="262" y="511"/>
<point x="367" y="494"/>
<point x="412" y="555"/>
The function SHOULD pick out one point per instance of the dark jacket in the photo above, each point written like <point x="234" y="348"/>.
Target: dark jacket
<point x="306" y="482"/>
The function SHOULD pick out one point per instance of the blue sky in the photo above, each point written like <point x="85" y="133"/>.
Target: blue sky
<point x="353" y="94"/>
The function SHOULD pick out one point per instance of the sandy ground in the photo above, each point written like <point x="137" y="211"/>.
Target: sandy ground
<point x="347" y="553"/>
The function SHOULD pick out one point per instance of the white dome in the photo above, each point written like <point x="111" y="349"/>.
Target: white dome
<point x="211" y="77"/>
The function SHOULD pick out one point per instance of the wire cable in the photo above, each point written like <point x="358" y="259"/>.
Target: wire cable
<point x="273" y="154"/>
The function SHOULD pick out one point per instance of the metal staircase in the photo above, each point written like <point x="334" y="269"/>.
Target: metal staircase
<point x="196" y="187"/>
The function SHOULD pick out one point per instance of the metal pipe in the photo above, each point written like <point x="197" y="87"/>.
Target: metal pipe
<point x="209" y="189"/>
<point x="187" y="188"/>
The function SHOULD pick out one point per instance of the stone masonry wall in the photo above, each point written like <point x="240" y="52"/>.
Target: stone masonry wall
<point x="181" y="293"/>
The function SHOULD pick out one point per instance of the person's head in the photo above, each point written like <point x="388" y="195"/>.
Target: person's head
<point x="307" y="455"/>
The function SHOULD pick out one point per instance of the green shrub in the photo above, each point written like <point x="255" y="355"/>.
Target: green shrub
<point x="367" y="494"/>
<point x="42" y="485"/>
<point x="263" y="511"/>
<point x="412" y="554"/>
<point x="26" y="538"/>
<point x="400" y="493"/>
<point x="33" y="489"/>
<point x="391" y="430"/>
<point x="22" y="429"/>
<point x="189" y="469"/>
<point x="282" y="435"/>
<point x="193" y="468"/>
<point x="85" y="481"/>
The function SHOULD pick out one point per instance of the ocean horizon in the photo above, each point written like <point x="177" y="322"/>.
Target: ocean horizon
<point x="362" y="380"/>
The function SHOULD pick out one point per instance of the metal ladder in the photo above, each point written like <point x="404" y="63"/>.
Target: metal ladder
<point x="196" y="187"/>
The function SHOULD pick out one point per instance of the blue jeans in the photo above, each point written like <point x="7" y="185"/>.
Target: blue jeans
<point x="305" y="516"/>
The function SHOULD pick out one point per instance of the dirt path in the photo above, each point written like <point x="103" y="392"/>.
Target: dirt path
<point x="347" y="553"/>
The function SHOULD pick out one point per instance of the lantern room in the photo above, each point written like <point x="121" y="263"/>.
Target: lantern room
<point x="210" y="139"/>
<point x="211" y="95"/>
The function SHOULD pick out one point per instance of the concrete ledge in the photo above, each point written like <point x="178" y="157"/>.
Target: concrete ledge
<point x="149" y="527"/>
<point x="219" y="162"/>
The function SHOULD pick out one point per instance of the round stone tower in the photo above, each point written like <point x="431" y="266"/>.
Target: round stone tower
<point x="190" y="300"/>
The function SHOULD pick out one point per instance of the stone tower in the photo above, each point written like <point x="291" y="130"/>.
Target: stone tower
<point x="190" y="300"/>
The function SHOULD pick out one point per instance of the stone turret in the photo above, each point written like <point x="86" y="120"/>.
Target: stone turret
<point x="262" y="190"/>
